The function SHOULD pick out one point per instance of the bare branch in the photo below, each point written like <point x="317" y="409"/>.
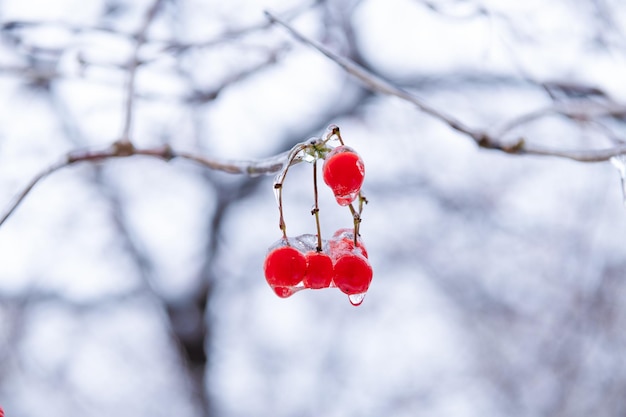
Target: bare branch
<point x="232" y="34"/>
<point x="121" y="149"/>
<point x="480" y="137"/>
<point x="575" y="110"/>
<point x="133" y="65"/>
<point x="376" y="83"/>
<point x="18" y="199"/>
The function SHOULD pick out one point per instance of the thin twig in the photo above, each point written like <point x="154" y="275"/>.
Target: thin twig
<point x="140" y="39"/>
<point x="376" y="83"/>
<point x="27" y="189"/>
<point x="232" y="34"/>
<point x="481" y="138"/>
<point x="586" y="155"/>
<point x="575" y="110"/>
<point x="250" y="168"/>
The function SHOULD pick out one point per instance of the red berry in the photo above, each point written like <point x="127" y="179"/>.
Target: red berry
<point x="282" y="292"/>
<point x="344" y="173"/>
<point x="353" y="273"/>
<point x="319" y="270"/>
<point x="343" y="241"/>
<point x="284" y="267"/>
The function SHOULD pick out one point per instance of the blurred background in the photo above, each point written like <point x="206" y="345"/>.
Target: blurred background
<point x="134" y="286"/>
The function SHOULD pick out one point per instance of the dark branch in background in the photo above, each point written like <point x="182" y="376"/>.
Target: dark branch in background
<point x="140" y="39"/>
<point x="227" y="35"/>
<point x="480" y="137"/>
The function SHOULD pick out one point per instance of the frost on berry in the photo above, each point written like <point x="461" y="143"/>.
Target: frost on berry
<point x="343" y="240"/>
<point x="284" y="268"/>
<point x="305" y="243"/>
<point x="344" y="173"/>
<point x="353" y="273"/>
<point x="308" y="261"/>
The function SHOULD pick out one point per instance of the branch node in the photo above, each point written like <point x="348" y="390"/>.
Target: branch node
<point x="167" y="153"/>
<point x="516" y="147"/>
<point x="483" y="140"/>
<point x="123" y="147"/>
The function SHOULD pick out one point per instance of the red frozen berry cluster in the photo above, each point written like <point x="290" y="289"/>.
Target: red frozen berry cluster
<point x="309" y="261"/>
<point x="295" y="264"/>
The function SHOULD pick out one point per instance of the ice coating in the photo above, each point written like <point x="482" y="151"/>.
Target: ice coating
<point x="619" y="162"/>
<point x="343" y="240"/>
<point x="353" y="272"/>
<point x="284" y="266"/>
<point x="286" y="292"/>
<point x="344" y="200"/>
<point x="308" y="261"/>
<point x="344" y="173"/>
<point x="307" y="242"/>
<point x="356" y="299"/>
<point x="340" y="265"/>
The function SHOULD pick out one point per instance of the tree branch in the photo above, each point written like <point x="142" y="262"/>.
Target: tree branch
<point x="120" y="149"/>
<point x="376" y="83"/>
<point x="140" y="39"/>
<point x="480" y="137"/>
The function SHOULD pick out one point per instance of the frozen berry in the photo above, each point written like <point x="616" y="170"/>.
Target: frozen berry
<point x="353" y="273"/>
<point x="343" y="241"/>
<point x="284" y="268"/>
<point x="344" y="173"/>
<point x="319" y="270"/>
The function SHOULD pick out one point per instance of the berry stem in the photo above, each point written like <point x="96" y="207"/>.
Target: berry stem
<point x="281" y="220"/>
<point x="335" y="131"/>
<point x="316" y="209"/>
<point x="356" y="216"/>
<point x="278" y="185"/>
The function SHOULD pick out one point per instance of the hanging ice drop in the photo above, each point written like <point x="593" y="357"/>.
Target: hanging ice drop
<point x="356" y="299"/>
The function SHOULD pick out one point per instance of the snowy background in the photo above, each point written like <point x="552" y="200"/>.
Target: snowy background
<point x="134" y="286"/>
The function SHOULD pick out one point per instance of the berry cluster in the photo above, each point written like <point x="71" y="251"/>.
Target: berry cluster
<point x="308" y="261"/>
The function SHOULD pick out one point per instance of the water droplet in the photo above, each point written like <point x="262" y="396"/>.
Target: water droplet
<point x="286" y="292"/>
<point x="356" y="299"/>
<point x="619" y="162"/>
<point x="344" y="200"/>
<point x="283" y="292"/>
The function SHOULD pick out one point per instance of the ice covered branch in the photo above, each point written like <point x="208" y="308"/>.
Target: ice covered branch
<point x="122" y="149"/>
<point x="481" y="137"/>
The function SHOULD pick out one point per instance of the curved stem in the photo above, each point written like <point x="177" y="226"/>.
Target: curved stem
<point x="292" y="159"/>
